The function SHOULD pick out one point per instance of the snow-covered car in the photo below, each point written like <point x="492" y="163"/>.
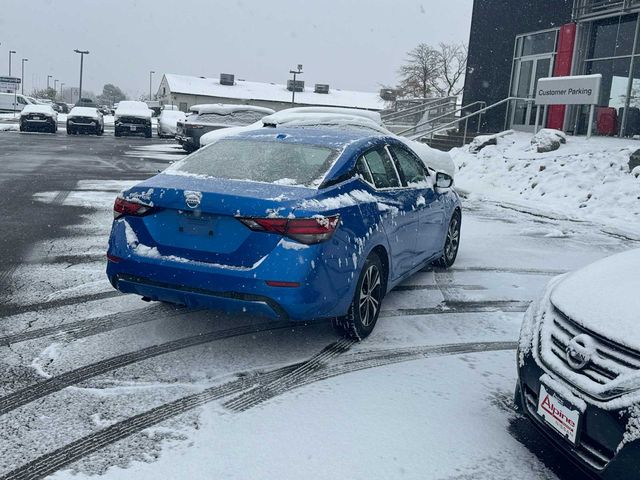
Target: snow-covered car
<point x="168" y="121"/>
<point x="209" y="117"/>
<point x="579" y="365"/>
<point x="38" y="118"/>
<point x="132" y="117"/>
<point x="85" y="120"/>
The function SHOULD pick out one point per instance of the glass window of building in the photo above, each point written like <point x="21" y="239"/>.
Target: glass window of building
<point x="538" y="43"/>
<point x="612" y="37"/>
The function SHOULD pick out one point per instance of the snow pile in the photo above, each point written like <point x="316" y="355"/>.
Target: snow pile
<point x="9" y="127"/>
<point x="584" y="180"/>
<point x="482" y="141"/>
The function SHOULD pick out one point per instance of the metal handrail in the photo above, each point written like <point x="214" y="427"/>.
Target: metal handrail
<point x="431" y="120"/>
<point x="479" y="112"/>
<point x="412" y="110"/>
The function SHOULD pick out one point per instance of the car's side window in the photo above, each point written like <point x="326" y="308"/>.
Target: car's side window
<point x="382" y="169"/>
<point x="411" y="170"/>
<point x="363" y="171"/>
<point x="22" y="101"/>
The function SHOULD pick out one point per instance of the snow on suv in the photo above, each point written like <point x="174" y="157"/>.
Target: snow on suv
<point x="579" y="366"/>
<point x="132" y="118"/>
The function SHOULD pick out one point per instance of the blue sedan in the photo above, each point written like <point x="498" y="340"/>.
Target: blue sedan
<point x="289" y="223"/>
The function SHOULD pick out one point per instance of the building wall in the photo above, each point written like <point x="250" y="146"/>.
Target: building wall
<point x="494" y="27"/>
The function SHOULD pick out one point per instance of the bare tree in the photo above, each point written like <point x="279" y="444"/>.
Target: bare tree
<point x="428" y="70"/>
<point x="452" y="66"/>
<point x="420" y="71"/>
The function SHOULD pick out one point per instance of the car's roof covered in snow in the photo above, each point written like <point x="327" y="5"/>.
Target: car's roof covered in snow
<point x="335" y="138"/>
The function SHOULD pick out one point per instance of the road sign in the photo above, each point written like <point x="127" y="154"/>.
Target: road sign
<point x="10" y="80"/>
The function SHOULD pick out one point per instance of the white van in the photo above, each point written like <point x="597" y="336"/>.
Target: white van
<point x="10" y="102"/>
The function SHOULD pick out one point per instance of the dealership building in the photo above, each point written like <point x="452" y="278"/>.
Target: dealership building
<point x="511" y="48"/>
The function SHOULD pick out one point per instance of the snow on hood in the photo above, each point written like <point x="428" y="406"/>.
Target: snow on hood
<point x="84" y="112"/>
<point x="225" y="109"/>
<point x="604" y="297"/>
<point x="37" y="108"/>
<point x="133" y="109"/>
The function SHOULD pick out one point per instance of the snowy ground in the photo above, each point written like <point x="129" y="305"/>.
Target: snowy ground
<point x="586" y="180"/>
<point x="96" y="383"/>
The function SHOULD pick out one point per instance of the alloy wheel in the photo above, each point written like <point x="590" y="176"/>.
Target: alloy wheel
<point x="370" y="295"/>
<point x="453" y="239"/>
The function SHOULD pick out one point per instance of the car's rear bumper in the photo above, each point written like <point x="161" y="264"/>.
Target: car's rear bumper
<point x="322" y="291"/>
<point x="599" y="436"/>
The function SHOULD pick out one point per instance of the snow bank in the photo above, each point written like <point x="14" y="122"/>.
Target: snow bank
<point x="9" y="127"/>
<point x="584" y="180"/>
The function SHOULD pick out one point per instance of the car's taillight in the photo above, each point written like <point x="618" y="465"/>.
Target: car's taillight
<point x="305" y="230"/>
<point x="125" y="207"/>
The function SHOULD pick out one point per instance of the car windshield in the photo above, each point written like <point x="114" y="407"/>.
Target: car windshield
<point x="260" y="161"/>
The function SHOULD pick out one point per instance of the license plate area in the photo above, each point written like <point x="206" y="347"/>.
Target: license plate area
<point x="133" y="128"/>
<point x="559" y="414"/>
<point x="197" y="225"/>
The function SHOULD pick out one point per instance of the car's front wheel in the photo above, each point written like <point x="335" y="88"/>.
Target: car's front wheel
<point x="363" y="313"/>
<point x="452" y="242"/>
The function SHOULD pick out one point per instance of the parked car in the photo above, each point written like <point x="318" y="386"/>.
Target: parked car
<point x="104" y="110"/>
<point x="579" y="365"/>
<point x="294" y="223"/>
<point x="168" y="121"/>
<point x="10" y="102"/>
<point x="206" y="118"/>
<point x="131" y="118"/>
<point x="86" y="102"/>
<point x="61" y="107"/>
<point x="38" y="118"/>
<point x="85" y="120"/>
<point x="155" y="107"/>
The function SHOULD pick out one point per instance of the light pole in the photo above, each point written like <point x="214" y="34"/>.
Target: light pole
<point x="293" y="90"/>
<point x="61" y="94"/>
<point x="10" y="53"/>
<point x="48" y="77"/>
<point x="55" y="84"/>
<point x="82" y="54"/>
<point x="150" y="80"/>
<point x="22" y="78"/>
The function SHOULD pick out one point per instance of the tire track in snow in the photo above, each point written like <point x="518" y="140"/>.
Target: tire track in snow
<point x="265" y="391"/>
<point x="55" y="460"/>
<point x="93" y="326"/>
<point x="8" y="310"/>
<point x="54" y="384"/>
<point x="460" y="307"/>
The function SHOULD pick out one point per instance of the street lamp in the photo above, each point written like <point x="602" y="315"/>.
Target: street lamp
<point x="22" y="78"/>
<point x="55" y="84"/>
<point x="293" y="90"/>
<point x="82" y="54"/>
<point x="61" y="94"/>
<point x="150" y="80"/>
<point x="10" y="53"/>
<point x="48" y="77"/>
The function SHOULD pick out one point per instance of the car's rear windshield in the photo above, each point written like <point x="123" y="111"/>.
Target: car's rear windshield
<point x="260" y="161"/>
<point x="243" y="117"/>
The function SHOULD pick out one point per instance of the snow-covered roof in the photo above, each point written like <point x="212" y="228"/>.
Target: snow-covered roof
<point x="225" y="108"/>
<point x="84" y="112"/>
<point x="244" y="90"/>
<point x="37" y="108"/>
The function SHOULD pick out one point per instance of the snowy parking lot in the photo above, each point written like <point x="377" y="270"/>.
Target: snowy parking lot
<point x="94" y="382"/>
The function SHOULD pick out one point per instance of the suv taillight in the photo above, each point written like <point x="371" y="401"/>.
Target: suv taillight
<point x="305" y="230"/>
<point x="123" y="207"/>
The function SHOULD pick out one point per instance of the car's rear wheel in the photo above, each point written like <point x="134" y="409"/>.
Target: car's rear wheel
<point x="99" y="130"/>
<point x="452" y="242"/>
<point x="116" y="133"/>
<point x="69" y="131"/>
<point x="363" y="313"/>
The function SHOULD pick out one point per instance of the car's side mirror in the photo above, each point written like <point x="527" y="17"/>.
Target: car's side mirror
<point x="443" y="180"/>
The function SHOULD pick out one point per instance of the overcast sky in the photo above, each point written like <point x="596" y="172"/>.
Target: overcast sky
<point x="350" y="44"/>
